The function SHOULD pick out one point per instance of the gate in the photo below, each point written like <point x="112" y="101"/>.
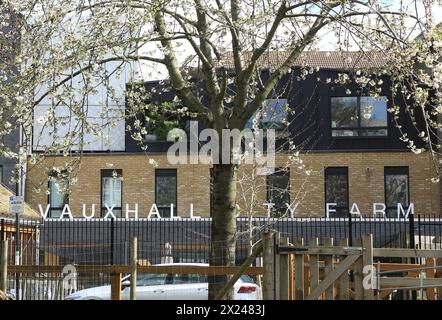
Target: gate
<point x="343" y="272"/>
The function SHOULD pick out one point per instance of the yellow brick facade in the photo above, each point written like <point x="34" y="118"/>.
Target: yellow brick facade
<point x="366" y="182"/>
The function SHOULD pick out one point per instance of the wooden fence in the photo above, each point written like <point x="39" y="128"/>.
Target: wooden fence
<point x="339" y="272"/>
<point x="291" y="270"/>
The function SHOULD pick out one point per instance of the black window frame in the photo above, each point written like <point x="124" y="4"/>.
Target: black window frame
<point x="278" y="211"/>
<point x="55" y="174"/>
<point x="167" y="173"/>
<point x="396" y="170"/>
<point x="359" y="128"/>
<point x="106" y="173"/>
<point x="337" y="171"/>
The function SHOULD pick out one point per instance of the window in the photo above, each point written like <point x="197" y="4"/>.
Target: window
<point x="396" y="189"/>
<point x="111" y="191"/>
<point x="278" y="190"/>
<point x="58" y="193"/>
<point x="184" y="278"/>
<point x="272" y="115"/>
<point x="336" y="190"/>
<point x="151" y="279"/>
<point x="1" y="174"/>
<point x="166" y="191"/>
<point x="359" y="116"/>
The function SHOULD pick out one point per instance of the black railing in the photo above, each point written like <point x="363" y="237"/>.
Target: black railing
<point x="104" y="242"/>
<point x="100" y="241"/>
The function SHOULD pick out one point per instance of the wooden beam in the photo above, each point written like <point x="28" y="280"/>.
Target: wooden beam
<point x="228" y="287"/>
<point x="314" y="266"/>
<point x="284" y="279"/>
<point x="299" y="273"/>
<point x="407" y="253"/>
<point x="133" y="268"/>
<point x="328" y="260"/>
<point x="358" y="275"/>
<point x="387" y="266"/>
<point x="323" y="250"/>
<point x="343" y="279"/>
<point x="3" y="265"/>
<point x="215" y="270"/>
<point x="332" y="276"/>
<point x="367" y="260"/>
<point x="116" y="286"/>
<point x="431" y="273"/>
<point x="268" y="283"/>
<point x="409" y="282"/>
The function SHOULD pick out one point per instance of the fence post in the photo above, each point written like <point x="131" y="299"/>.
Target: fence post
<point x="314" y="266"/>
<point x="299" y="271"/>
<point x="3" y="265"/>
<point x="284" y="280"/>
<point x="269" y="252"/>
<point x="133" y="269"/>
<point x="328" y="260"/>
<point x="439" y="275"/>
<point x="344" y="278"/>
<point x="116" y="286"/>
<point x="412" y="245"/>
<point x="358" y="275"/>
<point x="367" y="260"/>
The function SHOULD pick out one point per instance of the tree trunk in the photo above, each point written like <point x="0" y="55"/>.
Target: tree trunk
<point x="223" y="242"/>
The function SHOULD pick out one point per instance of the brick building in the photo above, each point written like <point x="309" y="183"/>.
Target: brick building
<point x="348" y="159"/>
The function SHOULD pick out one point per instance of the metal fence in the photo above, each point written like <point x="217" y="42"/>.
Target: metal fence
<point x="98" y="241"/>
<point x="107" y="242"/>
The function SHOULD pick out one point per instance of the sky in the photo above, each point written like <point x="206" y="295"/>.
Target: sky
<point x="326" y="40"/>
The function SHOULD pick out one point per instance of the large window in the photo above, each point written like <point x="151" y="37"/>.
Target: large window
<point x="58" y="193"/>
<point x="396" y="189"/>
<point x="272" y="115"/>
<point x="336" y="190"/>
<point x="359" y="116"/>
<point x="166" y="191"/>
<point x="111" y="191"/>
<point x="278" y="190"/>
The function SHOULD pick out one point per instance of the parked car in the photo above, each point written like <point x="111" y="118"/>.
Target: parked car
<point x="170" y="287"/>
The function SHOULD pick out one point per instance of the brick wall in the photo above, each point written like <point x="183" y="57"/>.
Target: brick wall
<point x="365" y="186"/>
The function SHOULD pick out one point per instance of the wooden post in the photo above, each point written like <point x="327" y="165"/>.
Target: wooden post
<point x="439" y="275"/>
<point x="284" y="272"/>
<point x="299" y="272"/>
<point x="3" y="265"/>
<point x="314" y="266"/>
<point x="268" y="283"/>
<point x="343" y="279"/>
<point x="116" y="286"/>
<point x="292" y="277"/>
<point x="133" y="269"/>
<point x="429" y="263"/>
<point x="358" y="275"/>
<point x="277" y="268"/>
<point x="367" y="260"/>
<point x="328" y="259"/>
<point x="306" y="275"/>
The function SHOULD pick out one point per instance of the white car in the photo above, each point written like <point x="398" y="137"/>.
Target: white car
<point x="170" y="287"/>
